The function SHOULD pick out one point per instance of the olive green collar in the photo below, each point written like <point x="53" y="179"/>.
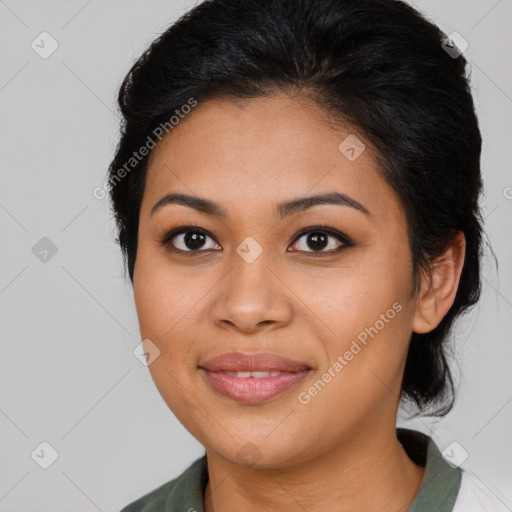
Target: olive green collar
<point x="441" y="481"/>
<point x="438" y="490"/>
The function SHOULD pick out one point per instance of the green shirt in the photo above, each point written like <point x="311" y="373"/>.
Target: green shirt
<point x="438" y="490"/>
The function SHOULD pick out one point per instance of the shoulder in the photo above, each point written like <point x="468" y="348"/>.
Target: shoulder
<point x="152" y="501"/>
<point x="186" y="488"/>
<point x="477" y="495"/>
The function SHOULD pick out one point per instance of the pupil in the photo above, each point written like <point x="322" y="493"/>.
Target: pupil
<point x="194" y="240"/>
<point x="317" y="241"/>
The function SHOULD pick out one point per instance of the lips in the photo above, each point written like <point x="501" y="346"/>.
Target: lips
<point x="257" y="362"/>
<point x="253" y="378"/>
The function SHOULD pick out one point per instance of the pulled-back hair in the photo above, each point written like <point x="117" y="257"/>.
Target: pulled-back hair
<point x="376" y="64"/>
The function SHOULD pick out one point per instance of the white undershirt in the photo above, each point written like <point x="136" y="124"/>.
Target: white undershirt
<point x="476" y="495"/>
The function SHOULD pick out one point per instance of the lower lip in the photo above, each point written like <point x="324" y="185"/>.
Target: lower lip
<point x="252" y="390"/>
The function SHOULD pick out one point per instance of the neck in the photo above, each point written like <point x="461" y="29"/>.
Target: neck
<point x="371" y="471"/>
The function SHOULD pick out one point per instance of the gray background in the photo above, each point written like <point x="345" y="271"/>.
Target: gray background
<point x="68" y="330"/>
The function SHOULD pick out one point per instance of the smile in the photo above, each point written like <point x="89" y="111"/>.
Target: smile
<point x="253" y="387"/>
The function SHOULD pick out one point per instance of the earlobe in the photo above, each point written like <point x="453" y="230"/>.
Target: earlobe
<point x="439" y="286"/>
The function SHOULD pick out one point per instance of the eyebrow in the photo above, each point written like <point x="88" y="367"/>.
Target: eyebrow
<point x="283" y="209"/>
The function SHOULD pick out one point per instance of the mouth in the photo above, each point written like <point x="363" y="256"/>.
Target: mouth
<point x="253" y="378"/>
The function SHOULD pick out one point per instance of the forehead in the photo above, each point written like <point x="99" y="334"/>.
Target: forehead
<point x="262" y="149"/>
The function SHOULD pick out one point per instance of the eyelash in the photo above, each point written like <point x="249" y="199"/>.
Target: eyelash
<point x="322" y="228"/>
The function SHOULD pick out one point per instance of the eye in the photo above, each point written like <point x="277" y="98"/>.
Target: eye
<point x="321" y="240"/>
<point x="189" y="239"/>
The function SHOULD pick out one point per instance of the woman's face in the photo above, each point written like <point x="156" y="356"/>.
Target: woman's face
<point x="336" y="300"/>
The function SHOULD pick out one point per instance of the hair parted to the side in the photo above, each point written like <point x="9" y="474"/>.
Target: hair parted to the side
<point x="376" y="64"/>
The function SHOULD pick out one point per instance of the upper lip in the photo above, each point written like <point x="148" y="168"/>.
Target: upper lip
<point x="260" y="361"/>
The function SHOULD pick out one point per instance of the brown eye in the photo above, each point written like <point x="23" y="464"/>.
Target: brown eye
<point x="190" y="239"/>
<point x="321" y="240"/>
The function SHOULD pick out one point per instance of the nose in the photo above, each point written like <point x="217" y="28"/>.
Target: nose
<point x="252" y="297"/>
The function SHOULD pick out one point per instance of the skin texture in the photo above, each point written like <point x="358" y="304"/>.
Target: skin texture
<point x="247" y="156"/>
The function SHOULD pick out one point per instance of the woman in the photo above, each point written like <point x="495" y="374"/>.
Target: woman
<point x="296" y="190"/>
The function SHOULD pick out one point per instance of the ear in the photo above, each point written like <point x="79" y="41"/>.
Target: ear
<point x="439" y="286"/>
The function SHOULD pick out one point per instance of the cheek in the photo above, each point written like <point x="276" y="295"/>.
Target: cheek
<point x="163" y="297"/>
<point x="362" y="371"/>
<point x="367" y="319"/>
<point x="164" y="313"/>
<point x="351" y="300"/>
<point x="173" y="384"/>
<point x="167" y="303"/>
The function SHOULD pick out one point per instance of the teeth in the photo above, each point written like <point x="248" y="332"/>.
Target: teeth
<point x="260" y="374"/>
<point x="256" y="375"/>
